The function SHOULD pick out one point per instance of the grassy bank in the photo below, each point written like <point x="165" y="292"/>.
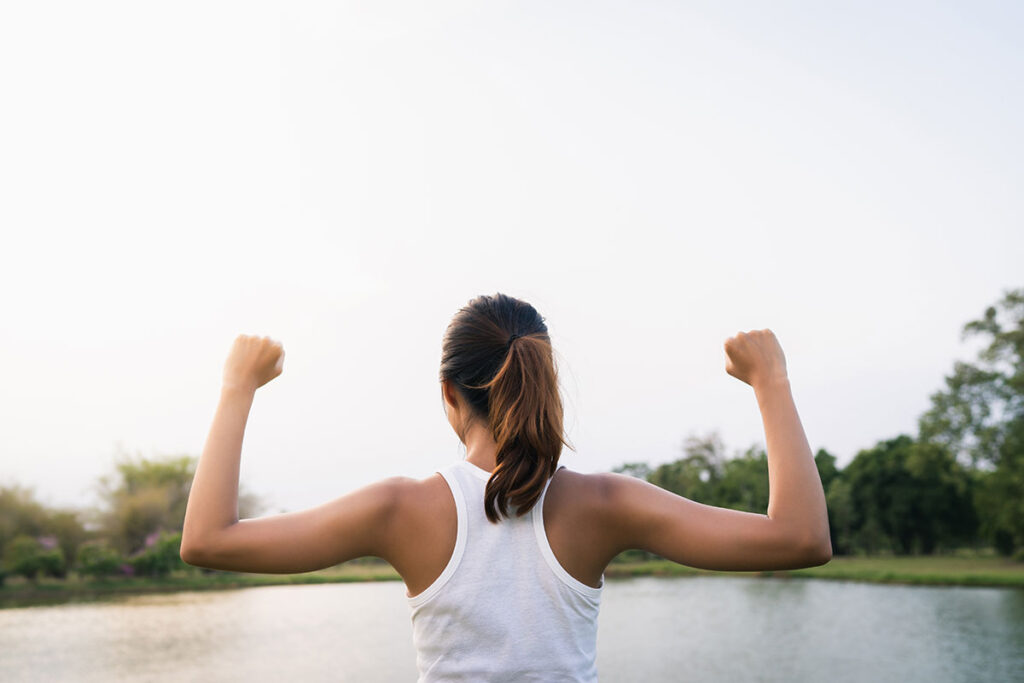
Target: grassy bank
<point x="937" y="571"/>
<point x="19" y="592"/>
<point x="942" y="570"/>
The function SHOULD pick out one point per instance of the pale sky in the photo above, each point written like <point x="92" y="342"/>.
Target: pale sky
<point x="343" y="176"/>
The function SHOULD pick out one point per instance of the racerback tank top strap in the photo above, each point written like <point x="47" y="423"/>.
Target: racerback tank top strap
<point x="460" y="538"/>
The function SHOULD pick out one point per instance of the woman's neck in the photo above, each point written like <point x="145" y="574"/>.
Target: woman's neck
<point x="481" y="448"/>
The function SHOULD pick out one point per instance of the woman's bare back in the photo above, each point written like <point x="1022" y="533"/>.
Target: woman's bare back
<point x="426" y="527"/>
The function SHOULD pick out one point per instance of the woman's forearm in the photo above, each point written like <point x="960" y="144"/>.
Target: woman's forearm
<point x="213" y="499"/>
<point x="795" y="495"/>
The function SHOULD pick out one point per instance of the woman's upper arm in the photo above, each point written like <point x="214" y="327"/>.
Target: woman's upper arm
<point x="650" y="518"/>
<point x="354" y="525"/>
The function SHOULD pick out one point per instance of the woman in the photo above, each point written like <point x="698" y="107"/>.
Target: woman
<point x="503" y="553"/>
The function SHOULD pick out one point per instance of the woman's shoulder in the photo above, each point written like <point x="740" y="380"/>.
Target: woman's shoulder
<point x="582" y="520"/>
<point x="592" y="483"/>
<point x="605" y="499"/>
<point x="587" y="492"/>
<point x="412" y="493"/>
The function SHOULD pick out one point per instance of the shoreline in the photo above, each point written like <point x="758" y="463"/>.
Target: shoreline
<point x="902" y="570"/>
<point x="952" y="570"/>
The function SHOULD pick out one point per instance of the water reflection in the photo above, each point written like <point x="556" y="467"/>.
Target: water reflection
<point x="726" y="628"/>
<point x="316" y="633"/>
<point x="658" y="629"/>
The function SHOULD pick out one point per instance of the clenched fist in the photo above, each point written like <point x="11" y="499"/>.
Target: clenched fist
<point x="253" y="362"/>
<point x="755" y="357"/>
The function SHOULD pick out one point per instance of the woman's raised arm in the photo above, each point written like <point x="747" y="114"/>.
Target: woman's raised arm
<point x="351" y="526"/>
<point x="794" y="532"/>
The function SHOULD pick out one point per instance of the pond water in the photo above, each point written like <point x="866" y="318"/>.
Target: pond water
<point x="704" y="628"/>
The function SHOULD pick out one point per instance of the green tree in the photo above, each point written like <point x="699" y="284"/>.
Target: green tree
<point x="836" y="503"/>
<point x="743" y="482"/>
<point x="28" y="557"/>
<point x="904" y="496"/>
<point x="52" y="563"/>
<point x="146" y="496"/>
<point x="22" y="515"/>
<point x="68" y="527"/>
<point x="22" y="556"/>
<point x="999" y="495"/>
<point x="826" y="464"/>
<point x="96" y="558"/>
<point x="839" y="501"/>
<point x="979" y="416"/>
<point x="161" y="557"/>
<point x="696" y="474"/>
<point x="879" y="489"/>
<point x="945" y="515"/>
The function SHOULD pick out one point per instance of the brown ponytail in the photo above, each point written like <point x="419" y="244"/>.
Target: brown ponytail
<point x="498" y="354"/>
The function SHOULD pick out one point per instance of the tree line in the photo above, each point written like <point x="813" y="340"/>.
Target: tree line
<point x="134" y="531"/>
<point x="958" y="482"/>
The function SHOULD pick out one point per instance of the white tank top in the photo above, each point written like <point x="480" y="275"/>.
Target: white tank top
<point x="503" y="609"/>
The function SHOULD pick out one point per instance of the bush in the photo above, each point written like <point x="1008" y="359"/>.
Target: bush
<point x="161" y="558"/>
<point x="27" y="557"/>
<point x="96" y="558"/>
<point x="52" y="563"/>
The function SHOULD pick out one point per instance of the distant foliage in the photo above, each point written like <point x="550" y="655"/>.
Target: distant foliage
<point x="146" y="496"/>
<point x="52" y="563"/>
<point x="160" y="558"/>
<point x="143" y="505"/>
<point x="22" y="514"/>
<point x="904" y="497"/>
<point x="743" y="484"/>
<point x="143" y="496"/>
<point x="697" y="473"/>
<point x="97" y="559"/>
<point x="979" y="417"/>
<point x="901" y="496"/>
<point x="706" y="473"/>
<point x="26" y="556"/>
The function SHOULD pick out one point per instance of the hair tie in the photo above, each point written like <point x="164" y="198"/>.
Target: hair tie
<point x="512" y="338"/>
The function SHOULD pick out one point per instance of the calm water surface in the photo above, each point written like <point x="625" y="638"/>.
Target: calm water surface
<point x="651" y="629"/>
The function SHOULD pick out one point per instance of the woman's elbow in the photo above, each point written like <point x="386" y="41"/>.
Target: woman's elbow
<point x="189" y="555"/>
<point x="816" y="552"/>
<point x="194" y="553"/>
